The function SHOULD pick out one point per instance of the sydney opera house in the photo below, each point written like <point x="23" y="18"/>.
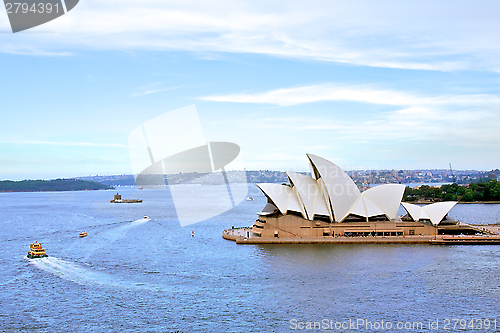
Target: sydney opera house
<point x="329" y="204"/>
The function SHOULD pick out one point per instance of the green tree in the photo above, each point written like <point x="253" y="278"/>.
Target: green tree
<point x="468" y="195"/>
<point x="449" y="197"/>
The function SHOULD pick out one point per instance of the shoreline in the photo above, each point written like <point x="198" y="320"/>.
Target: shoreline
<point x="479" y="202"/>
<point x="426" y="202"/>
<point x="40" y="191"/>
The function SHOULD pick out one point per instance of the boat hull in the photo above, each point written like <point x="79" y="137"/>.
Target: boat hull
<point x="36" y="256"/>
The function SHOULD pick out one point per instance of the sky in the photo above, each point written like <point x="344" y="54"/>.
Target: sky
<point x="364" y="84"/>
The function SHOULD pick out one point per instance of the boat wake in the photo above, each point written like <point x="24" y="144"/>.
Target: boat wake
<point x="82" y="275"/>
<point x="101" y="240"/>
<point x="119" y="232"/>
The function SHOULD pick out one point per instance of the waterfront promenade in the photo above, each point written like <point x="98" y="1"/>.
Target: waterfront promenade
<point x="245" y="236"/>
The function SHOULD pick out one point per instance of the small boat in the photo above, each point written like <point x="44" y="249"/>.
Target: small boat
<point x="250" y="199"/>
<point x="141" y="188"/>
<point x="146" y="217"/>
<point x="82" y="234"/>
<point x="36" y="251"/>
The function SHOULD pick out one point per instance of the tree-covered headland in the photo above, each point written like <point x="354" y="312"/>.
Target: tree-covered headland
<point x="50" y="185"/>
<point x="482" y="191"/>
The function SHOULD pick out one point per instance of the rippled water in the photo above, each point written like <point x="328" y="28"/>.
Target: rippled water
<point x="130" y="274"/>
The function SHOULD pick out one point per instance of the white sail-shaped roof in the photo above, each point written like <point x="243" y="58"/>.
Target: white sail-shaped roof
<point x="294" y="203"/>
<point x="413" y="210"/>
<point x="342" y="191"/>
<point x="434" y="212"/>
<point x="437" y="211"/>
<point x="365" y="207"/>
<point x="371" y="207"/>
<point x="283" y="197"/>
<point x="321" y="205"/>
<point x="309" y="194"/>
<point x="386" y="197"/>
<point x="277" y="194"/>
<point x="331" y="192"/>
<point x="358" y="208"/>
<point x="326" y="198"/>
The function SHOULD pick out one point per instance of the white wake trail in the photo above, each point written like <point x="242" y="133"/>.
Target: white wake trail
<point x="103" y="239"/>
<point x="82" y="275"/>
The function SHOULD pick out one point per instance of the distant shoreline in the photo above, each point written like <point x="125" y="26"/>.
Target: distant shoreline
<point x="56" y="185"/>
<point x="54" y="191"/>
<point x="426" y="202"/>
<point x="479" y="202"/>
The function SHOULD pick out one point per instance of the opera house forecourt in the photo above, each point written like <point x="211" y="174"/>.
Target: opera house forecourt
<point x="328" y="207"/>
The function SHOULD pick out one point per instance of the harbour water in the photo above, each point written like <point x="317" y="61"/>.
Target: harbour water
<point x="132" y="274"/>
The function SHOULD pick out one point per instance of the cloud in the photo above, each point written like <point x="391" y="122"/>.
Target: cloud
<point x="56" y="143"/>
<point x="363" y="93"/>
<point x="466" y="120"/>
<point x="409" y="125"/>
<point x="317" y="93"/>
<point x="429" y="35"/>
<point x="151" y="89"/>
<point x="29" y="51"/>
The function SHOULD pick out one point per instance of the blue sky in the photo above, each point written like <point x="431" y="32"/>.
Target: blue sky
<point x="367" y="85"/>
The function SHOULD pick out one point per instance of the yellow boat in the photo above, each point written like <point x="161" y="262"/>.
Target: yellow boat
<point x="82" y="234"/>
<point x="36" y="251"/>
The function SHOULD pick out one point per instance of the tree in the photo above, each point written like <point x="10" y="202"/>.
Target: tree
<point x="468" y="195"/>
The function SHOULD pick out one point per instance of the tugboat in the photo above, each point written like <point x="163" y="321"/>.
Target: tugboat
<point x="36" y="251"/>
<point x="82" y="234"/>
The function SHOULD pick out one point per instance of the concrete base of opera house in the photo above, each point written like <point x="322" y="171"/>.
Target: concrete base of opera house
<point x="245" y="236"/>
<point x="240" y="237"/>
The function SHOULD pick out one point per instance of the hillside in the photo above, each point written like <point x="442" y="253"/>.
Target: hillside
<point x="50" y="185"/>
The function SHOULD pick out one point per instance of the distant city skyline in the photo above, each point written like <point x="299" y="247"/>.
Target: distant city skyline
<point x="385" y="85"/>
<point x="362" y="178"/>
